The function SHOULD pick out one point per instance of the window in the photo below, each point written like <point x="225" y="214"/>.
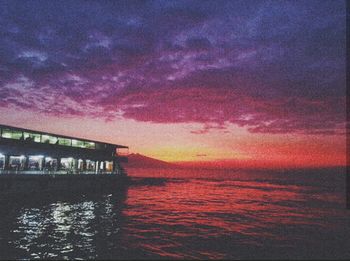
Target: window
<point x="109" y="165"/>
<point x="35" y="162"/>
<point x="89" y="145"/>
<point x="78" y="143"/>
<point x="17" y="162"/>
<point x="64" y="141"/>
<point x="67" y="163"/>
<point x="50" y="163"/>
<point x="100" y="146"/>
<point x="48" y="139"/>
<point x="11" y="134"/>
<point x="31" y="136"/>
<point x="90" y="165"/>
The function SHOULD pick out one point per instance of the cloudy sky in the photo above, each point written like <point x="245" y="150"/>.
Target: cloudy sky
<point x="250" y="81"/>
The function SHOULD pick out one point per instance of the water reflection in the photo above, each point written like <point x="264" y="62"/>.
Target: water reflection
<point x="65" y="228"/>
<point x="241" y="217"/>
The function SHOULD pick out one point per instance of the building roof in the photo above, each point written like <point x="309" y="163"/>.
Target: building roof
<point x="63" y="136"/>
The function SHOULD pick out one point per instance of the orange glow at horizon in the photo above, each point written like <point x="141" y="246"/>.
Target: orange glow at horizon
<point x="235" y="147"/>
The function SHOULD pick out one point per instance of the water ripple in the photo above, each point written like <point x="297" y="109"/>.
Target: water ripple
<point x="242" y="217"/>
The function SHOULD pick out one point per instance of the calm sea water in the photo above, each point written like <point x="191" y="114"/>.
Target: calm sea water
<point x="170" y="214"/>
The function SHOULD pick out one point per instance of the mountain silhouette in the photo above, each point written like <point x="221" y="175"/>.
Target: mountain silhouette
<point x="136" y="160"/>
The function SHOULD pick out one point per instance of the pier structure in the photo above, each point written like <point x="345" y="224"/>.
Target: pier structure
<point x="24" y="151"/>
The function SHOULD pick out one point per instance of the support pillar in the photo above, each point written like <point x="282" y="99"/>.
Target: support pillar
<point x="75" y="166"/>
<point x="114" y="165"/>
<point x="58" y="167"/>
<point x="103" y="165"/>
<point x="26" y="163"/>
<point x="84" y="165"/>
<point x="97" y="166"/>
<point x="41" y="163"/>
<point x="7" y="162"/>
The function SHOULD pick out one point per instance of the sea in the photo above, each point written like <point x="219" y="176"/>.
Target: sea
<point x="186" y="214"/>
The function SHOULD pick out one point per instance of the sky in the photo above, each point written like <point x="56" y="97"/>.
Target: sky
<point x="248" y="83"/>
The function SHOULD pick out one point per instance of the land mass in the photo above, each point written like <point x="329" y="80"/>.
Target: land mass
<point x="136" y="160"/>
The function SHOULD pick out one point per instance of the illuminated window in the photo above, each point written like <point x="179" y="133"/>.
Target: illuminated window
<point x="48" y="139"/>
<point x="31" y="136"/>
<point x="17" y="162"/>
<point x="35" y="162"/>
<point x="109" y="165"/>
<point x="67" y="163"/>
<point x="11" y="134"/>
<point x="78" y="143"/>
<point x="50" y="163"/>
<point x="89" y="145"/>
<point x="90" y="165"/>
<point x="64" y="141"/>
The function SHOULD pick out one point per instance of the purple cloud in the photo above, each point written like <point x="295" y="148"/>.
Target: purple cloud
<point x="270" y="67"/>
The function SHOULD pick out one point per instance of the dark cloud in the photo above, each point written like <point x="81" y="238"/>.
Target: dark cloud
<point x="198" y="44"/>
<point x="271" y="67"/>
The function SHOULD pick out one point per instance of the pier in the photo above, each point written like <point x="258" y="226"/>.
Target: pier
<point x="36" y="161"/>
<point x="27" y="151"/>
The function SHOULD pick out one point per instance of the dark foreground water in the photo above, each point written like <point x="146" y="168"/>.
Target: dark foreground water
<point x="187" y="214"/>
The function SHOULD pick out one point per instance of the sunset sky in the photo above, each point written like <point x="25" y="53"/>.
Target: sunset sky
<point x="253" y="83"/>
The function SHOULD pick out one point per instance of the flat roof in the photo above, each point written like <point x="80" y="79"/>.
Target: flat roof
<point x="62" y="136"/>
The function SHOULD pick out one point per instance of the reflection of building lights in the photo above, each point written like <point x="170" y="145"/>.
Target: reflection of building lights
<point x="48" y="158"/>
<point x="22" y="157"/>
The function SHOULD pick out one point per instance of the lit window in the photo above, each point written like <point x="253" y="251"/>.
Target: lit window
<point x="67" y="163"/>
<point x="78" y="143"/>
<point x="64" y="141"/>
<point x="31" y="136"/>
<point x="11" y="134"/>
<point x="109" y="165"/>
<point x="90" y="165"/>
<point x="48" y="139"/>
<point x="35" y="162"/>
<point x="17" y="162"/>
<point x="89" y="145"/>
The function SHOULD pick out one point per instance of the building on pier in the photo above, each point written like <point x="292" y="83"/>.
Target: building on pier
<point x="34" y="152"/>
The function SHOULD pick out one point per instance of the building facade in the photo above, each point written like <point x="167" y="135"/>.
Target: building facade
<point x="32" y="152"/>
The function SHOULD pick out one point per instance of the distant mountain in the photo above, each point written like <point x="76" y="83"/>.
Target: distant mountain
<point x="136" y="160"/>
